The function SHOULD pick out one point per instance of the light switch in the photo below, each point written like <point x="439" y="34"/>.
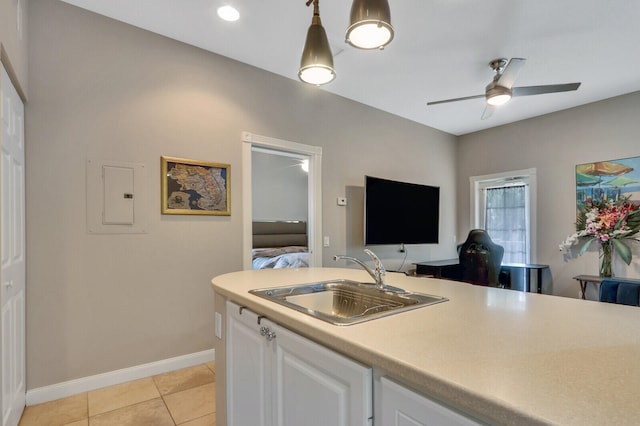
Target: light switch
<point x="118" y="195"/>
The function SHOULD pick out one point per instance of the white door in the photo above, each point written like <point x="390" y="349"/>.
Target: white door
<point x="277" y="377"/>
<point x="315" y="386"/>
<point x="249" y="359"/>
<point x="403" y="407"/>
<point x="12" y="253"/>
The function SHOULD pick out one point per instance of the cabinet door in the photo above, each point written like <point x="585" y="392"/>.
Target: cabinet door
<point x="318" y="387"/>
<point x="403" y="407"/>
<point x="249" y="357"/>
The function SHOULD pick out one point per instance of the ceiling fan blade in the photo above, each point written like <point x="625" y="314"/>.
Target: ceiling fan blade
<point x="511" y="72"/>
<point x="540" y="90"/>
<point x="455" y="99"/>
<point x="488" y="112"/>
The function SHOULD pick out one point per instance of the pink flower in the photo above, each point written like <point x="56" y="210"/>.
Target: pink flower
<point x="604" y="221"/>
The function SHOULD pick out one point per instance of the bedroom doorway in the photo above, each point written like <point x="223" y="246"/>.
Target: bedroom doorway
<point x="289" y="158"/>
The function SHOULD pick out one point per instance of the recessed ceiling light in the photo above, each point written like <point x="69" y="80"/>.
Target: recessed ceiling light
<point x="228" y="13"/>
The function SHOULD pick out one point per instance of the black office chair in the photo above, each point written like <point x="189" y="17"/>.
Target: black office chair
<point x="480" y="260"/>
<point x="621" y="291"/>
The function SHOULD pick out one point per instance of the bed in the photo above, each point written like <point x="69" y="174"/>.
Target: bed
<point x="280" y="244"/>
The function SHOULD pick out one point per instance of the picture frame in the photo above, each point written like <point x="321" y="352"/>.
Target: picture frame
<point x="611" y="180"/>
<point x="192" y="187"/>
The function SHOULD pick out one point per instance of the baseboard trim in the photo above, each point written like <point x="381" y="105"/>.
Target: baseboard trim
<point x="86" y="384"/>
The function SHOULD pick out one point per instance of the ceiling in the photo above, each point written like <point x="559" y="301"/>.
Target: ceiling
<point x="441" y="49"/>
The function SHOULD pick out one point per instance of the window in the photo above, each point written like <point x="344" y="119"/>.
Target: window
<point x="505" y="220"/>
<point x="504" y="205"/>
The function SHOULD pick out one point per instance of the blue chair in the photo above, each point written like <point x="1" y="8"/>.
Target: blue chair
<point x="622" y="291"/>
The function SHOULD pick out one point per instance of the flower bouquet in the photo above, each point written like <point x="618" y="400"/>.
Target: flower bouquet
<point x="612" y="223"/>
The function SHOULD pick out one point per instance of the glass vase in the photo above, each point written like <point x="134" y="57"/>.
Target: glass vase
<point x="606" y="254"/>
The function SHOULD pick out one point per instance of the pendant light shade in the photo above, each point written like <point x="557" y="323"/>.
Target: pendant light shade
<point x="370" y="24"/>
<point x="316" y="65"/>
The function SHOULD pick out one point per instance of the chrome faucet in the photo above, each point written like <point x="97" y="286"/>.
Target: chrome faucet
<point x="378" y="273"/>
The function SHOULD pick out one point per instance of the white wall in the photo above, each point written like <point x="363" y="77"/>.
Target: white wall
<point x="554" y="144"/>
<point x="102" y="89"/>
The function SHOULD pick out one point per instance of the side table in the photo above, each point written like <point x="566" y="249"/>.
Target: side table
<point x="584" y="279"/>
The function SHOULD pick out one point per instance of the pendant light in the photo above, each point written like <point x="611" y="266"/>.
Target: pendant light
<point x="370" y="24"/>
<point x="316" y="65"/>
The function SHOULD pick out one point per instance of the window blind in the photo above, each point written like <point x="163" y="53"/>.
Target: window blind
<point x="506" y="220"/>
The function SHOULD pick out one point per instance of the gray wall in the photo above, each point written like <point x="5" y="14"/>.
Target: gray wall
<point x="279" y="188"/>
<point x="554" y="144"/>
<point x="102" y="89"/>
<point x="14" y="43"/>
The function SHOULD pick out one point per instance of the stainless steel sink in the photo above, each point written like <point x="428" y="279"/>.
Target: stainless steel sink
<point x="344" y="302"/>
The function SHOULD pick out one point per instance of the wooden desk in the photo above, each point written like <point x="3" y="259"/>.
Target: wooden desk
<point x="584" y="279"/>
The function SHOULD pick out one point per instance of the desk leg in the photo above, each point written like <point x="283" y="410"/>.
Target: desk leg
<point x="539" y="283"/>
<point x="583" y="289"/>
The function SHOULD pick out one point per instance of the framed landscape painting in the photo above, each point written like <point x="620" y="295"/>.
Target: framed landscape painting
<point x="195" y="187"/>
<point x="608" y="180"/>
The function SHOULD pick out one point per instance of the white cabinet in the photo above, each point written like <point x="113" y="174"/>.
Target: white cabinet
<point x="277" y="377"/>
<point x="248" y="369"/>
<point x="403" y="407"/>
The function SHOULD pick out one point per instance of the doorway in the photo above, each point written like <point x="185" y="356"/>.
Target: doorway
<point x="313" y="155"/>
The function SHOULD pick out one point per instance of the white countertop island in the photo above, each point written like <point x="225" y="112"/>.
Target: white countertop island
<point x="502" y="356"/>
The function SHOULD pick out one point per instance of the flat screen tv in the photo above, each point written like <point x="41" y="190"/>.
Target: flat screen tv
<point x="400" y="212"/>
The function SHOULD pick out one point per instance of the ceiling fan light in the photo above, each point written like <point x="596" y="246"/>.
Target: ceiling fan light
<point x="499" y="100"/>
<point x="316" y="65"/>
<point x="498" y="95"/>
<point x="370" y="26"/>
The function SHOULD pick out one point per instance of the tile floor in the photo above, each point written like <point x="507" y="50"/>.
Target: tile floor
<point x="182" y="397"/>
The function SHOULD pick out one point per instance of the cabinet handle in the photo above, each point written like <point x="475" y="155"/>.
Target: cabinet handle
<point x="268" y="333"/>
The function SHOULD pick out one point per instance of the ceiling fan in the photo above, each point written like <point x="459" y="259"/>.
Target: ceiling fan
<point x="501" y="89"/>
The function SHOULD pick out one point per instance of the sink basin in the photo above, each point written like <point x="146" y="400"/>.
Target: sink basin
<point x="344" y="302"/>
